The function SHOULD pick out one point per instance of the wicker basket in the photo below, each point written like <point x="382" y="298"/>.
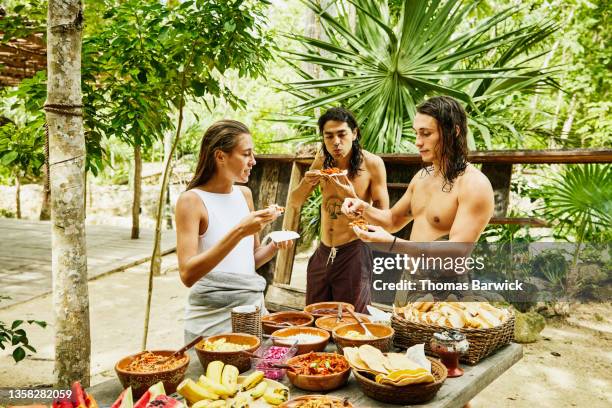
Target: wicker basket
<point x="407" y="395"/>
<point x="482" y="341"/>
<point x="249" y="323"/>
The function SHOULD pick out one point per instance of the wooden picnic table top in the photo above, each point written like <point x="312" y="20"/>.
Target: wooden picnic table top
<point x="455" y="392"/>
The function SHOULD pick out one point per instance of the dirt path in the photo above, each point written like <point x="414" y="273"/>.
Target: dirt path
<point x="578" y="377"/>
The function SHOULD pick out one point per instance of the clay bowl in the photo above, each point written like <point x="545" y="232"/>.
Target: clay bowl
<point x="329" y="323"/>
<point x="140" y="382"/>
<point x="240" y="359"/>
<point x="296" y="402"/>
<point x="278" y="335"/>
<point x="274" y="321"/>
<point x="384" y="336"/>
<point x="327" y="308"/>
<point x="318" y="382"/>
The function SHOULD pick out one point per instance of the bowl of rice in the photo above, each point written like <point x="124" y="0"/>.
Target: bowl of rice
<point x="308" y="338"/>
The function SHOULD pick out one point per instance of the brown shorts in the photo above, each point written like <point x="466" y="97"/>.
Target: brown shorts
<point x="345" y="278"/>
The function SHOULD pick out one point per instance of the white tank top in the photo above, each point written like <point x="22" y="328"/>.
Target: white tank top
<point x="224" y="212"/>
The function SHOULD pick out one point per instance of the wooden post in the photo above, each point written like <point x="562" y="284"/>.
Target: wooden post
<point x="499" y="175"/>
<point x="268" y="189"/>
<point x="291" y="222"/>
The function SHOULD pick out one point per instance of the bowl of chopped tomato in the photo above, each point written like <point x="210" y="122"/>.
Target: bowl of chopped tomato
<point x="318" y="371"/>
<point x="142" y="370"/>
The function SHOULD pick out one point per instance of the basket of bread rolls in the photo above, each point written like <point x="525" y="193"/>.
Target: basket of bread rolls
<point x="486" y="327"/>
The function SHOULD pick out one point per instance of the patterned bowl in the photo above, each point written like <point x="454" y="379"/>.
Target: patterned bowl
<point x="140" y="382"/>
<point x="241" y="359"/>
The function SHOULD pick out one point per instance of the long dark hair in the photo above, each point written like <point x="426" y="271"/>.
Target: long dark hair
<point x="346" y="116"/>
<point x="222" y="135"/>
<point x="452" y="123"/>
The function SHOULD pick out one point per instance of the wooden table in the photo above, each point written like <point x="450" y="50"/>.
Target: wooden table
<point x="455" y="392"/>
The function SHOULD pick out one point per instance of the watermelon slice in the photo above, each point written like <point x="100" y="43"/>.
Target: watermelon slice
<point x="125" y="399"/>
<point x="78" y="395"/>
<point x="164" y="401"/>
<point x="151" y="393"/>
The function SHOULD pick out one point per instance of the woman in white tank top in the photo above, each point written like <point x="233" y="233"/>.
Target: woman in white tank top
<point x="217" y="231"/>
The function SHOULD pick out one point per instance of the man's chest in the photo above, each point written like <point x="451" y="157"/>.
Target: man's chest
<point x="333" y="197"/>
<point x="430" y="202"/>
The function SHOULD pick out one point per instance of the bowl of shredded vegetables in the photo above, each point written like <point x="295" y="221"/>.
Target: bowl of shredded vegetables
<point x="318" y="371"/>
<point x="142" y="370"/>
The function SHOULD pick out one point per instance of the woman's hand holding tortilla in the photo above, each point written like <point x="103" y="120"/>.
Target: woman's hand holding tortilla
<point x="353" y="207"/>
<point x="374" y="233"/>
<point x="257" y="220"/>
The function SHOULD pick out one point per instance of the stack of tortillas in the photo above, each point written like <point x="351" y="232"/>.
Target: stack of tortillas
<point x="391" y="369"/>
<point x="454" y="314"/>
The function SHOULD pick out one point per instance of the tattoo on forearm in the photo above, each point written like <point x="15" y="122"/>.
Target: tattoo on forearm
<point x="376" y="203"/>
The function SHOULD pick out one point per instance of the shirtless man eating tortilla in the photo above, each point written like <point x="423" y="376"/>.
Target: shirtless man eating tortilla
<point x="341" y="267"/>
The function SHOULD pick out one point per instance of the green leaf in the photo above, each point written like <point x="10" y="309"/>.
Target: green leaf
<point x="9" y="158"/>
<point x="19" y="354"/>
<point x="16" y="324"/>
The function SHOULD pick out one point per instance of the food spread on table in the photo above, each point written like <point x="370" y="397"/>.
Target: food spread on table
<point x="221" y="386"/>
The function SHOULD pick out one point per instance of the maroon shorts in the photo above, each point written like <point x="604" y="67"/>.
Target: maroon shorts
<point x="345" y="278"/>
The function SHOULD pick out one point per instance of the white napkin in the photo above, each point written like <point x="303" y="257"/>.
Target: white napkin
<point x="416" y="353"/>
<point x="378" y="315"/>
<point x="244" y="309"/>
<point x="280" y="236"/>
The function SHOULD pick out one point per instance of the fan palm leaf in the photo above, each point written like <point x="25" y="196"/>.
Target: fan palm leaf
<point x="579" y="201"/>
<point x="383" y="70"/>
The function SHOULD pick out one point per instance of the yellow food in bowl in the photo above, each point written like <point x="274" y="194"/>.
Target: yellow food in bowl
<point x="224" y="345"/>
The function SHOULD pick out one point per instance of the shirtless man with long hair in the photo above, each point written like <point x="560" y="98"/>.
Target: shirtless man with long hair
<point x="341" y="267"/>
<point x="451" y="198"/>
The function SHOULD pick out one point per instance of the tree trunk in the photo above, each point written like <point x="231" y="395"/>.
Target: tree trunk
<point x="168" y="206"/>
<point x="45" y="209"/>
<point x="155" y="267"/>
<point x="67" y="169"/>
<point x="17" y="197"/>
<point x="567" y="125"/>
<point x="137" y="192"/>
